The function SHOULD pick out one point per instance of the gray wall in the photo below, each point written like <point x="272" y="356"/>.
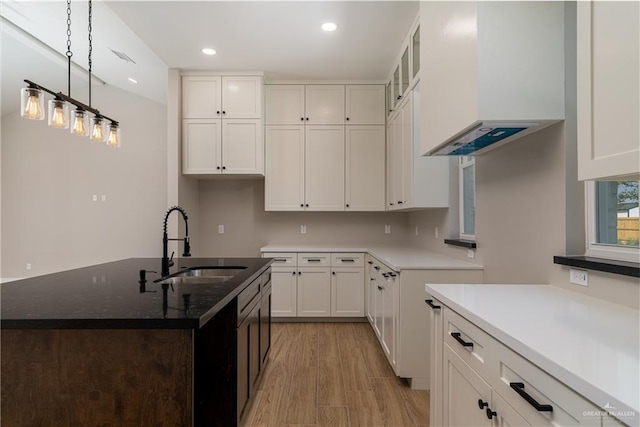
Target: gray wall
<point x="49" y="177"/>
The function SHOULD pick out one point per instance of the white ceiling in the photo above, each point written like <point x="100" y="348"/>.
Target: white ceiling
<point x="283" y="39"/>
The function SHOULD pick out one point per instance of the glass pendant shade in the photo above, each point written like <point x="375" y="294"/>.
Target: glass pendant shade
<point x="80" y="122"/>
<point x="32" y="103"/>
<point x="58" y="114"/>
<point x="114" y="135"/>
<point x="98" y="131"/>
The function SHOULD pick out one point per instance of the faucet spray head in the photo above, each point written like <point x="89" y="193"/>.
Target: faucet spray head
<point x="187" y="248"/>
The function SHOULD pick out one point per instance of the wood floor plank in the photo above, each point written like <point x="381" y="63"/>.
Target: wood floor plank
<point x="390" y="402"/>
<point x="301" y="406"/>
<point x="416" y="402"/>
<point x="330" y="383"/>
<point x="333" y="416"/>
<point x="327" y="340"/>
<point x="363" y="409"/>
<point x="375" y="361"/>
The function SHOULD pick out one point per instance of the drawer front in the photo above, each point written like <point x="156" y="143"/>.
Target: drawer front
<point x="246" y="299"/>
<point x="539" y="397"/>
<point x="347" y="260"/>
<point x="282" y="259"/>
<point x="311" y="259"/>
<point x="472" y="344"/>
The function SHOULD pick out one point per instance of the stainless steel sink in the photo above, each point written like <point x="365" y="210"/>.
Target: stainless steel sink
<point x="222" y="272"/>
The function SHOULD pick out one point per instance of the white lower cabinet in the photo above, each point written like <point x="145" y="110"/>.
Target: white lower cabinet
<point x="314" y="292"/>
<point x="478" y="381"/>
<point x="312" y="284"/>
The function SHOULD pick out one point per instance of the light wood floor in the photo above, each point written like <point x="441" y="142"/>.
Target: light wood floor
<point x="333" y="374"/>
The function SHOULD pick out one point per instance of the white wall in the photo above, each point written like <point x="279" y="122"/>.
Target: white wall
<point x="49" y="176"/>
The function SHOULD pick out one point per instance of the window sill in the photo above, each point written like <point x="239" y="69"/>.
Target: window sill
<point x="624" y="268"/>
<point x="469" y="244"/>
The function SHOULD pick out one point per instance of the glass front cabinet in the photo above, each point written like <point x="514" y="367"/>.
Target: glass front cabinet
<point x="406" y="69"/>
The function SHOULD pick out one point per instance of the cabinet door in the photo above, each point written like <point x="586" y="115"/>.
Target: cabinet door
<point x="347" y="292"/>
<point x="265" y="325"/>
<point x="397" y="89"/>
<point x="372" y="291"/>
<point x="379" y="313"/>
<point x="365" y="168"/>
<point x="243" y="377"/>
<point x="365" y="105"/>
<point x="255" y="360"/>
<point x="397" y="161"/>
<point x="284" y="168"/>
<point x="242" y="97"/>
<point x="389" y="320"/>
<point x="505" y="415"/>
<point x="242" y="146"/>
<point x="324" y="168"/>
<point x="608" y="103"/>
<point x="406" y="156"/>
<point x="462" y="390"/>
<point x="324" y="104"/>
<point x="314" y="292"/>
<point x="284" y="104"/>
<point x="404" y="66"/>
<point x="201" y="148"/>
<point x="391" y="186"/>
<point x="201" y="97"/>
<point x="284" y="292"/>
<point x="415" y="53"/>
<point x="435" y="364"/>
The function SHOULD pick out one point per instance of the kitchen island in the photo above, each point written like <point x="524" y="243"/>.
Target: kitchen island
<point x="98" y="346"/>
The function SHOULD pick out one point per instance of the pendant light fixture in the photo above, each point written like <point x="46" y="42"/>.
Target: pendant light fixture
<point x="79" y="123"/>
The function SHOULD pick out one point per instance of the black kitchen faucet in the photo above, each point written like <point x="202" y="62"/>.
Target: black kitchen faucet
<point x="166" y="262"/>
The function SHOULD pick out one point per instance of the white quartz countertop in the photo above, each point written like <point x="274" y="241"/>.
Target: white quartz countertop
<point x="396" y="257"/>
<point x="591" y="345"/>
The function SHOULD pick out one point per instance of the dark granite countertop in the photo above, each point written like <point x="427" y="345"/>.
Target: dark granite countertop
<point x="108" y="296"/>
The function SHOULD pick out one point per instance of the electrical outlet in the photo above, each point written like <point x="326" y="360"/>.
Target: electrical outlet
<point x="104" y="197"/>
<point x="416" y="230"/>
<point x="94" y="198"/>
<point x="387" y="229"/>
<point x="303" y="229"/>
<point x="471" y="254"/>
<point x="579" y="277"/>
<point x="221" y="229"/>
<point x="28" y="266"/>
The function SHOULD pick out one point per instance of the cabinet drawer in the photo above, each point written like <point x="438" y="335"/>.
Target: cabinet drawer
<point x="282" y="259"/>
<point x="557" y="403"/>
<point x="347" y="260"/>
<point x="247" y="298"/>
<point x="313" y="259"/>
<point x="471" y="343"/>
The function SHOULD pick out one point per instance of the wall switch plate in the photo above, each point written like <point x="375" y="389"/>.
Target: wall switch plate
<point x="28" y="266"/>
<point x="387" y="229"/>
<point x="436" y="233"/>
<point x="303" y="229"/>
<point x="471" y="254"/>
<point x="221" y="229"/>
<point x="579" y="277"/>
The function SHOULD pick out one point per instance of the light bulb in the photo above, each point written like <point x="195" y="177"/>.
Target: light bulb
<point x="79" y="125"/>
<point x="32" y="103"/>
<point x="114" y="136"/>
<point x="58" y="114"/>
<point x="97" y="129"/>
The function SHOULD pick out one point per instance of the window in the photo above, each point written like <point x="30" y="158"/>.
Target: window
<point x="467" y="191"/>
<point x="613" y="229"/>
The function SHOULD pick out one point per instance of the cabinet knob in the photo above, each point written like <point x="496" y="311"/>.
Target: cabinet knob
<point x="399" y="96"/>
<point x="347" y="204"/>
<point x="380" y="288"/>
<point x="490" y="413"/>
<point x="347" y="118"/>
<point x="299" y="273"/>
<point x="224" y="112"/>
<point x="400" y="202"/>
<point x="302" y="205"/>
<point x="482" y="404"/>
<point x="302" y="119"/>
<point x="390" y="204"/>
<point x="224" y="168"/>
<point x="218" y="167"/>
<point x="333" y="272"/>
<point x="307" y="118"/>
<point x="293" y="272"/>
<point x="306" y="206"/>
<point x="217" y="112"/>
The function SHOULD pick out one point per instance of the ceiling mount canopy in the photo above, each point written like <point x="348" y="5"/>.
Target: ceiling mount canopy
<point x="32" y="102"/>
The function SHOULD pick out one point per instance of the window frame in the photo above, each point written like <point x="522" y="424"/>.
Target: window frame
<point x="602" y="250"/>
<point x="463" y="163"/>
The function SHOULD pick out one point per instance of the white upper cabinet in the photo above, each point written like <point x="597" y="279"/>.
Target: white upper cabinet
<point x="324" y="104"/>
<point x="489" y="62"/>
<point x="365" y="168"/>
<point x="365" y="105"/>
<point x="284" y="174"/>
<point x="222" y="126"/>
<point x="324" y="168"/>
<point x="608" y="44"/>
<point x="229" y="97"/>
<point x="405" y="71"/>
<point x="284" y="104"/>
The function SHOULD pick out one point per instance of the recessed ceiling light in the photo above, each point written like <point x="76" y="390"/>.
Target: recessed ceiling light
<point x="134" y="81"/>
<point x="208" y="51"/>
<point x="329" y="26"/>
